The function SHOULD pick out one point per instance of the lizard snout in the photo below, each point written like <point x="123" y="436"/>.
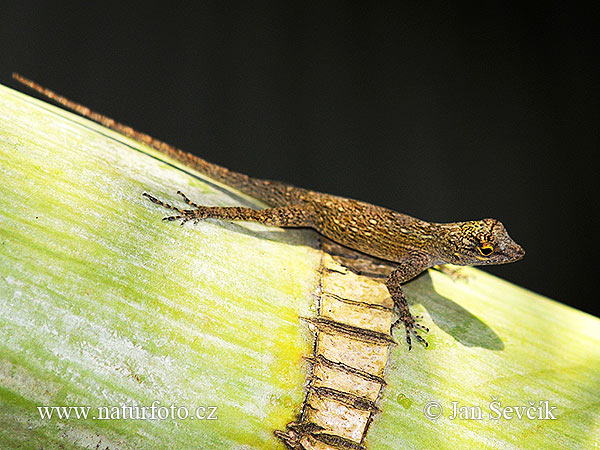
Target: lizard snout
<point x="520" y="252"/>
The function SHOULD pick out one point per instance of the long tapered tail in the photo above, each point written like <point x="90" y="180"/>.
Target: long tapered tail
<point x="261" y="189"/>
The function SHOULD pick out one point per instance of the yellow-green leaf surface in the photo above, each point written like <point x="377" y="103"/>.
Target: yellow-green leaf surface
<point x="102" y="304"/>
<point x="493" y="345"/>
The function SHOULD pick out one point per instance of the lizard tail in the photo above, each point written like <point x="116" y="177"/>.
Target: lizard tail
<point x="261" y="189"/>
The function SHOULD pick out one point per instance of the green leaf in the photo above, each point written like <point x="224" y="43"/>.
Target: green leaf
<point x="103" y="304"/>
<point x="492" y="341"/>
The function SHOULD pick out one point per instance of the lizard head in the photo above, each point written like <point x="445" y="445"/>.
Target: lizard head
<point x="482" y="242"/>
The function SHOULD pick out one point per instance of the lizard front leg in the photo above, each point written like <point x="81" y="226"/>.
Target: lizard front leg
<point x="406" y="271"/>
<point x="289" y="216"/>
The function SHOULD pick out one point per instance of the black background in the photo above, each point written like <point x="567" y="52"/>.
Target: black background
<point x="442" y="113"/>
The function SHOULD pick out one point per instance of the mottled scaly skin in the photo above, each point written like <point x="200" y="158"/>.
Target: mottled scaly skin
<point x="413" y="244"/>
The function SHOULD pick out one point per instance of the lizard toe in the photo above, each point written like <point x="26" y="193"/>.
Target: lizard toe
<point x="172" y="218"/>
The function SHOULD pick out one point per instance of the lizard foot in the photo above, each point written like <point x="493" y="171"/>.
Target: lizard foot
<point x="412" y="328"/>
<point x="185" y="215"/>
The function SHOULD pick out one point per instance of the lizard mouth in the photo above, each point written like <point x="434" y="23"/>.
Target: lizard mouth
<point x="513" y="253"/>
<point x="518" y="252"/>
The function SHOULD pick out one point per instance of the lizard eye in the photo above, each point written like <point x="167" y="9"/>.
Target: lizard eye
<point x="486" y="249"/>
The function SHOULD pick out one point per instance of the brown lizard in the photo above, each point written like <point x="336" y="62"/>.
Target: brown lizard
<point x="415" y="245"/>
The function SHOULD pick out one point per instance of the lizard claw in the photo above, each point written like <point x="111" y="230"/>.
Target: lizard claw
<point x="185" y="215"/>
<point x="185" y="218"/>
<point x="172" y="218"/>
<point x="412" y="328"/>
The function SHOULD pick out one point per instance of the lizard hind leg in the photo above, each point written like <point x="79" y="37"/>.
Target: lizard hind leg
<point x="285" y="216"/>
<point x="191" y="203"/>
<point x="184" y="215"/>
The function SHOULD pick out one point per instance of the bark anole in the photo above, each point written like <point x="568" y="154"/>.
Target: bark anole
<point x="413" y="244"/>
